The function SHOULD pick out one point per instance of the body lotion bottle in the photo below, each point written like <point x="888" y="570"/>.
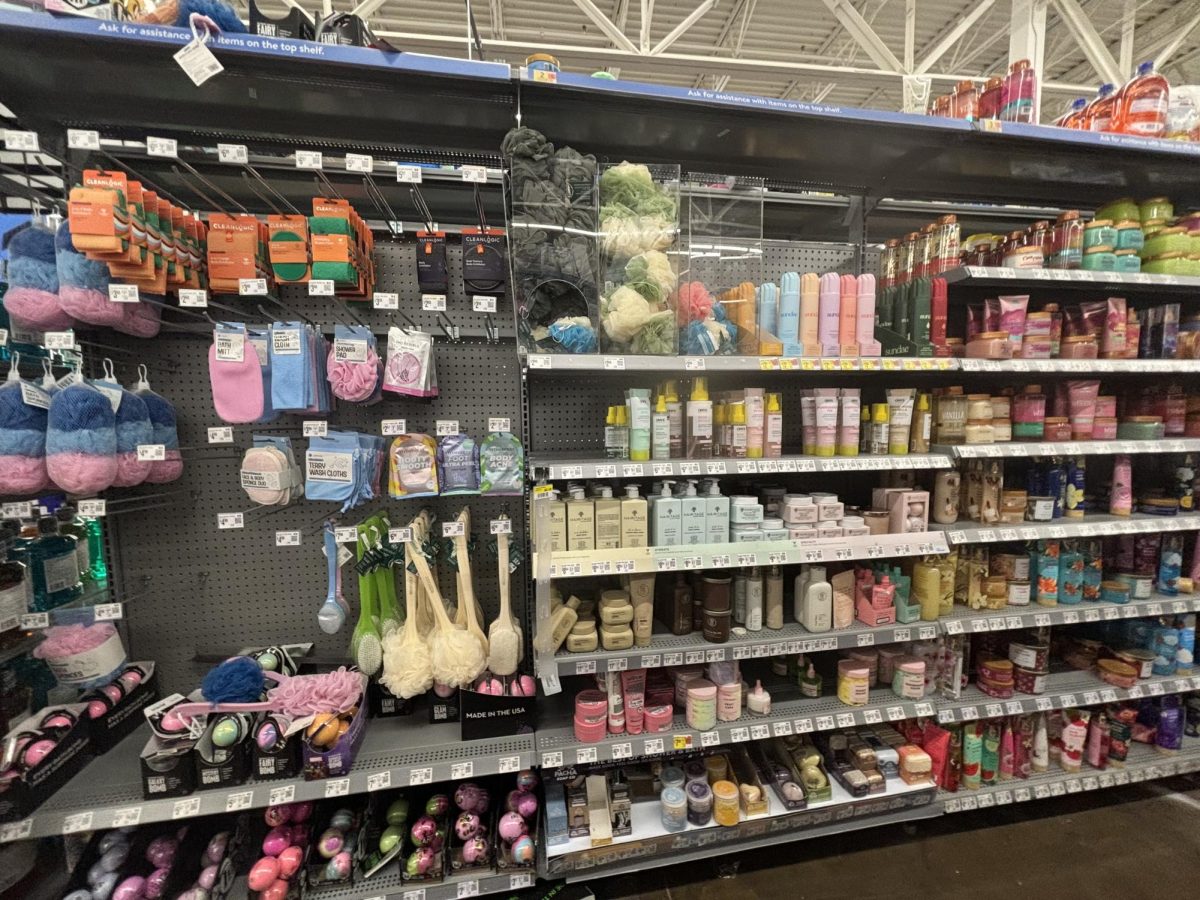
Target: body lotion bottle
<point x="817" y="615"/>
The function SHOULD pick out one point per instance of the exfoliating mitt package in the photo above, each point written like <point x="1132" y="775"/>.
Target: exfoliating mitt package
<point x="412" y="470"/>
<point x="410" y="364"/>
<point x="235" y="375"/>
<point x="501" y="465"/>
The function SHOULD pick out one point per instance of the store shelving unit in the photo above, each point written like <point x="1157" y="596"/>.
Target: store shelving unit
<point x="395" y="753"/>
<point x="1144" y="763"/>
<point x="567" y="467"/>
<point x="1016" y="449"/>
<point x="977" y="621"/>
<point x="1091" y="525"/>
<point x="994" y="276"/>
<point x="545" y="363"/>
<point x="623" y="561"/>
<point x="388" y="885"/>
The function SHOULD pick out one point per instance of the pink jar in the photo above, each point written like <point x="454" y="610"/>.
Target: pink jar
<point x="1080" y="346"/>
<point x="1028" y="416"/>
<point x="656" y="719"/>
<point x="990" y="345"/>
<point x="729" y="701"/>
<point x="1057" y="428"/>
<point x="1106" y="406"/>
<point x="1104" y="428"/>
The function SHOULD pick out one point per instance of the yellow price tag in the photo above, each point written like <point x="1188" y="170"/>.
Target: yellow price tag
<point x="828" y="365"/>
<point x="787" y="364"/>
<point x="683" y="742"/>
<point x="808" y="365"/>
<point x="545" y="75"/>
<point x="543" y="490"/>
<point x="767" y="365"/>
<point x="849" y="365"/>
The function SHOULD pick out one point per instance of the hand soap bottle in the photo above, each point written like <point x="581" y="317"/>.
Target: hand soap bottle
<point x="818" y="602"/>
<point x="666" y="513"/>
<point x="693" y="516"/>
<point x="635" y="531"/>
<point x="716" y="515"/>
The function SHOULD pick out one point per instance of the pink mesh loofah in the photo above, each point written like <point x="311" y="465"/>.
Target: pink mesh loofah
<point x="90" y="306"/>
<point x="81" y="473"/>
<point x="304" y="695"/>
<point x="130" y="470"/>
<point x="23" y="474"/>
<point x="354" y="381"/>
<point x="693" y="302"/>
<point x="37" y="309"/>
<point x="68" y="640"/>
<point x="141" y="320"/>
<point x="164" y="470"/>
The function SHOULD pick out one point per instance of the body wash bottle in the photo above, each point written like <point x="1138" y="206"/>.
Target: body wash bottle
<point x="810" y="313"/>
<point x="693" y="516"/>
<point x="638" y="401"/>
<point x="716" y="515"/>
<point x="773" y="599"/>
<point x="848" y="317"/>
<point x="608" y="520"/>
<point x="830" y="308"/>
<point x="818" y="602"/>
<point x="789" y="313"/>
<point x="865" y="313"/>
<point x="699" y="422"/>
<point x="754" y="600"/>
<point x="635" y="529"/>
<point x="665" y="514"/>
<point x="581" y="522"/>
<point x="660" y="430"/>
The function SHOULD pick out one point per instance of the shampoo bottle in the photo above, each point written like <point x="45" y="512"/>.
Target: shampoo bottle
<point x="635" y="531"/>
<point x="666" y="512"/>
<point x="773" y="598"/>
<point x="699" y="422"/>
<point x="608" y="520"/>
<point x="660" y="430"/>
<point x="693" y="516"/>
<point x="581" y="522"/>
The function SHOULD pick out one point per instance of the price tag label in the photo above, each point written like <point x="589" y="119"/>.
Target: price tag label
<point x="238" y="800"/>
<point x="94" y="509"/>
<point x="59" y="340"/>
<point x="185" y="808"/>
<point x="747" y="559"/>
<point x="316" y="428"/>
<point x="614" y="363"/>
<point x="378" y="781"/>
<point x="468" y="888"/>
<point x="423" y="775"/>
<point x="462" y="770"/>
<point x="433" y="302"/>
<point x="603" y="567"/>
<point x="508" y="764"/>
<point x="123" y="293"/>
<point x="408" y="174"/>
<point x="454" y="529"/>
<point x="82" y="821"/>
<point x="447" y="427"/>
<point x="605" y="470"/>
<point x="400" y="535"/>
<point x="226" y="521"/>
<point x="721" y="561"/>
<point x="418" y="894"/>
<point x="252" y="287"/>
<point x="474" y="174"/>
<point x="322" y="287"/>
<point x="623" y="750"/>
<point x="715" y="467"/>
<point x="287" y="538"/>
<point x="759" y="732"/>
<point x="954" y="627"/>
<point x="969" y="713"/>
<point x="483" y="303"/>
<point x="619" y="664"/>
<point x="233" y="153"/>
<point x="1070" y="617"/>
<point x="161" y="146"/>
<point x="385" y="300"/>
<point x="824" y="723"/>
<point x="34" y="621"/>
<point x="739" y="734"/>
<point x="128" y="817"/>
<point x="667" y="564"/>
<point x="108" y="612"/>
<point x="520" y="880"/>
<point x="360" y="162"/>
<point x="83" y="139"/>
<point x="845" y="720"/>
<point x="632" y="470"/>
<point x="309" y="159"/>
<point x="192" y="297"/>
<point x="1044" y="704"/>
<point x="285" y="793"/>
<point x="151" y="452"/>
<point x="653" y="746"/>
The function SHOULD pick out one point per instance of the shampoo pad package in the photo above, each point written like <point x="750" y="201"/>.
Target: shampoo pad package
<point x="412" y="470"/>
<point x="501" y="464"/>
<point x="81" y="440"/>
<point x="22" y="436"/>
<point x="410" y="366"/>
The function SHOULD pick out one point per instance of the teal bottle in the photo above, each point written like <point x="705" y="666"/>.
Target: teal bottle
<point x="54" y="567"/>
<point x="95" y="537"/>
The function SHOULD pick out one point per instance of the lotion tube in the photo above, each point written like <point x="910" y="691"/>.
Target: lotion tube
<point x="848" y="316"/>
<point x="808" y="422"/>
<point x="810" y="314"/>
<point x="826" y="416"/>
<point x="829" y="314"/>
<point x="638" y="401"/>
<point x="900" y="410"/>
<point x="789" y="313"/>
<point x="850" y="401"/>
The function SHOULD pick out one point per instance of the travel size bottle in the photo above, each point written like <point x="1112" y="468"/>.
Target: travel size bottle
<point x="54" y="567"/>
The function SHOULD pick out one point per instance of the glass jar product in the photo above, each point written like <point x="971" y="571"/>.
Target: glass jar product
<point x="716" y="625"/>
<point x="716" y="592"/>
<point x="725" y="803"/>
<point x="671" y="777"/>
<point x="1001" y="406"/>
<point x="1079" y="346"/>
<point x="1012" y="507"/>
<point x="1128" y="261"/>
<point x="1017" y="93"/>
<point x="1024" y="256"/>
<point x="946" y="484"/>
<point x="1057" y="428"/>
<point x="1099" y="259"/>
<point x="979" y="406"/>
<point x="699" y="803"/>
<point x="1001" y="431"/>
<point x="1167" y="264"/>
<point x="1104" y="428"/>
<point x="694" y="770"/>
<point x="729" y="701"/>
<point x="908" y="679"/>
<point x="1099" y="233"/>
<point x="1129" y="235"/>
<point x="854" y="682"/>
<point x="1166" y="240"/>
<point x="674" y="809"/>
<point x="702" y="705"/>
<point x="1067" y="240"/>
<point x="952" y="416"/>
<point x="945" y="250"/>
<point x="1039" y="509"/>
<point x="980" y="431"/>
<point x="1042" y="234"/>
<point x="990" y="345"/>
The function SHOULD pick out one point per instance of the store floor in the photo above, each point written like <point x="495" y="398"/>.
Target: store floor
<point x="1137" y="841"/>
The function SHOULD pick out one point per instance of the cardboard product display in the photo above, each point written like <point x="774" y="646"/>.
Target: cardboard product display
<point x="124" y="717"/>
<point x="71" y="751"/>
<point x="485" y="716"/>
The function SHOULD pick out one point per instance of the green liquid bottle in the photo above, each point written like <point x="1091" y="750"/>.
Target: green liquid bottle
<point x="95" y="537"/>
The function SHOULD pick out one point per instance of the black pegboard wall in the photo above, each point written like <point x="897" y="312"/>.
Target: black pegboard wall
<point x="201" y="590"/>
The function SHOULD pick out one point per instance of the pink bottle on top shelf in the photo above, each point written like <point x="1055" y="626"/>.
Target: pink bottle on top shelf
<point x="1019" y="93"/>
<point x="1142" y="104"/>
<point x="810" y="314"/>
<point x="829" y="314"/>
<point x="848" y="317"/>
<point x="865" y="315"/>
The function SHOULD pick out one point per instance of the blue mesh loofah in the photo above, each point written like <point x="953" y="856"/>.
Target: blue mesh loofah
<point x="32" y="243"/>
<point x="574" y="338"/>
<point x="219" y="12"/>
<point x="162" y="417"/>
<point x="81" y="420"/>
<point x="75" y="269"/>
<point x="237" y="680"/>
<point x="33" y="273"/>
<point x="133" y="423"/>
<point x="22" y="427"/>
<point x="695" y="340"/>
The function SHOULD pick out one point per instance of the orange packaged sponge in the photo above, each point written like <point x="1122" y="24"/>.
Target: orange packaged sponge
<point x="288" y="247"/>
<point x="96" y="214"/>
<point x="233" y="243"/>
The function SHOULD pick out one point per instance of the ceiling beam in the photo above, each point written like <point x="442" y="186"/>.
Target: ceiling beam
<point x="647" y="19"/>
<point x="910" y="33"/>
<point x="605" y="24"/>
<point x="1168" y="51"/>
<point x="1089" y="40"/>
<point x="1128" y="22"/>
<point x="864" y="35"/>
<point x="620" y="18"/>
<point x="951" y="38"/>
<point x="679" y="30"/>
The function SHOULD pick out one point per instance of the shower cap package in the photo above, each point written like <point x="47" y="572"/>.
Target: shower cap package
<point x="553" y="245"/>
<point x="412" y="470"/>
<point x="354" y="366"/>
<point x="501" y="465"/>
<point x="409" y="368"/>
<point x="458" y="464"/>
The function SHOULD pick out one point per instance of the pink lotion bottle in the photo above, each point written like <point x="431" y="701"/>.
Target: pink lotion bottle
<point x="810" y="289"/>
<point x="1120" y="502"/>
<point x="829" y="314"/>
<point x="848" y="317"/>
<point x="865" y="314"/>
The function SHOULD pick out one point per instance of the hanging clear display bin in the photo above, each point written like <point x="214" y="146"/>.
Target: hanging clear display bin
<point x="639" y="237"/>
<point x="716" y="301"/>
<point x="551" y="201"/>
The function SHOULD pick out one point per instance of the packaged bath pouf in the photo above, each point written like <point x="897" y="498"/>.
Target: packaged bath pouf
<point x="81" y="440"/>
<point x="133" y="428"/>
<point x="32" y="297"/>
<point x="162" y="419"/>
<point x="22" y="436"/>
<point x="83" y="284"/>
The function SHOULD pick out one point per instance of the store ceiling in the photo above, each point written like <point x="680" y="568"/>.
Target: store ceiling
<point x="738" y="45"/>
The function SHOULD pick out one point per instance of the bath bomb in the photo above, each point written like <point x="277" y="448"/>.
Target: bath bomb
<point x="392" y="835"/>
<point x="338" y="868"/>
<point x="475" y="851"/>
<point x="207" y="877"/>
<point x="397" y="813"/>
<point x="263" y="873"/>
<point x="132" y="888"/>
<point x="215" y="851"/>
<point x="302" y="812"/>
<point x="160" y="852"/>
<point x="156" y="883"/>
<point x="277" y="840"/>
<point x="342" y="820"/>
<point x="331" y="843"/>
<point x="103" y="888"/>
<point x="278" y="815"/>
<point x="512" y="826"/>
<point x="277" y="891"/>
<point x="467" y="826"/>
<point x="527" y="780"/>
<point x="437" y="805"/>
<point x="424" y="830"/>
<point x="289" y="862"/>
<point x="110" y="840"/>
<point x="419" y="862"/>
<point x="523" y="850"/>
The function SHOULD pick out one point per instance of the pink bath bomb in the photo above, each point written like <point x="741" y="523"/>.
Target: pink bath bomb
<point x="467" y="825"/>
<point x="423" y="831"/>
<point x="527" y="805"/>
<point x="331" y="843"/>
<point x="278" y="815"/>
<point x="277" y="891"/>
<point x="289" y="862"/>
<point x="338" y="868"/>
<point x="419" y="862"/>
<point x="132" y="888"/>
<point x="263" y="873"/>
<point x="512" y="826"/>
<point x="475" y="850"/>
<point x="301" y="812"/>
<point x="156" y="883"/>
<point x="207" y="877"/>
<point x="215" y="851"/>
<point x="37" y="751"/>
<point x="160" y="852"/>
<point x="277" y="840"/>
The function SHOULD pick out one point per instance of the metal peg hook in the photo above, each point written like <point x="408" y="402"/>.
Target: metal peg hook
<point x="211" y="186"/>
<point x="448" y="327"/>
<point x="323" y="179"/>
<point x="270" y="187"/>
<point x="253" y="188"/>
<point x="203" y="196"/>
